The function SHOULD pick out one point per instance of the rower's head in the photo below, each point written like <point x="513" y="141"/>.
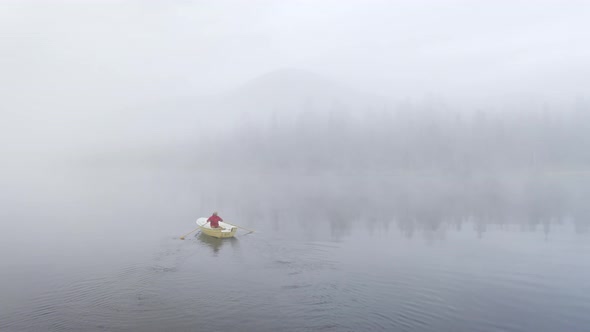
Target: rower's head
<point x="215" y="213"/>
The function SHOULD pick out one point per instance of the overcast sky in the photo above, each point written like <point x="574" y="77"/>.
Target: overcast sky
<point x="456" y="49"/>
<point x="64" y="62"/>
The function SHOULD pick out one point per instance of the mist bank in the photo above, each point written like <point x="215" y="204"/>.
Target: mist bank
<point x="297" y="122"/>
<point x="336" y="203"/>
<point x="377" y="141"/>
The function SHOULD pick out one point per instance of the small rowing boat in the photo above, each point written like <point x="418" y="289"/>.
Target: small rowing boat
<point x="224" y="230"/>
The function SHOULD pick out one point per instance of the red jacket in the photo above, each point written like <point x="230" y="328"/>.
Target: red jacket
<point x="214" y="220"/>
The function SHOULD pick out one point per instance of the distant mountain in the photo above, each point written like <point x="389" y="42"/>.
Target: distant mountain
<point x="294" y="90"/>
<point x="288" y="87"/>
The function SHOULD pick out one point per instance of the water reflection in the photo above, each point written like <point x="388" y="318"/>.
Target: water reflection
<point x="216" y="244"/>
<point x="428" y="204"/>
<point x="286" y="272"/>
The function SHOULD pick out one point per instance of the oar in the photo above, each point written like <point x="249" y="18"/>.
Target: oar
<point x="238" y="226"/>
<point x="182" y="237"/>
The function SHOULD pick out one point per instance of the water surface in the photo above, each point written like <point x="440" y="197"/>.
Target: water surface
<point x="100" y="251"/>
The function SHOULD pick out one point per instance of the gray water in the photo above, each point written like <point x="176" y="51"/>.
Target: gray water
<point x="99" y="250"/>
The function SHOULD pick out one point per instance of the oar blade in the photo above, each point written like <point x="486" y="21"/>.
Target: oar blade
<point x="182" y="237"/>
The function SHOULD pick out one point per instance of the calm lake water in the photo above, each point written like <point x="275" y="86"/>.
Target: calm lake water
<point x="100" y="251"/>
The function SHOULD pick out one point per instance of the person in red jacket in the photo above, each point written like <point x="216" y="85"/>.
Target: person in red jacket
<point x="214" y="220"/>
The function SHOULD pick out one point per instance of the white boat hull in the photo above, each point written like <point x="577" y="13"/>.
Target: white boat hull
<point x="226" y="230"/>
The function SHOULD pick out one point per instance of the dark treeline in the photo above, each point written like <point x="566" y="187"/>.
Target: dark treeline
<point x="408" y="138"/>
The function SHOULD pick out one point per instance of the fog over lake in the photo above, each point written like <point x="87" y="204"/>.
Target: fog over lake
<point x="405" y="166"/>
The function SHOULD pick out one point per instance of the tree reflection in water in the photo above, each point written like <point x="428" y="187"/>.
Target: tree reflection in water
<point x="414" y="203"/>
